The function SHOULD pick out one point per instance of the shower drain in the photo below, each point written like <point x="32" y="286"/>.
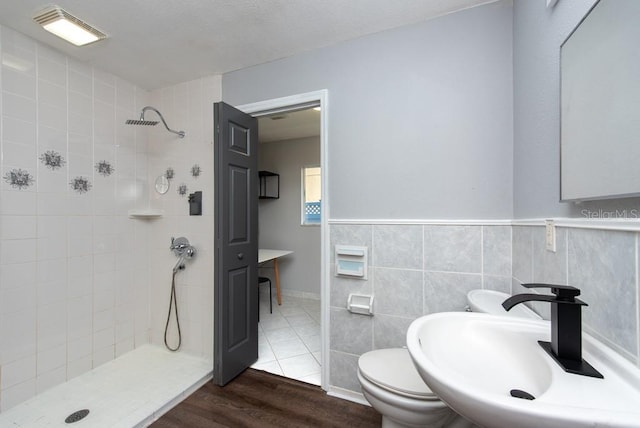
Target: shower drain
<point x="77" y="416"/>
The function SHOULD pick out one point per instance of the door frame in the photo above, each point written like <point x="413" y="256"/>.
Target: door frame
<point x="296" y="102"/>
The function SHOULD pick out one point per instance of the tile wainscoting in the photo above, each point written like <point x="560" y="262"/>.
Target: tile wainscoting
<point x="414" y="270"/>
<point x="422" y="268"/>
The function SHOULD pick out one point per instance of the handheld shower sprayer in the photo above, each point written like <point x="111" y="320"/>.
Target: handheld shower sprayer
<point x="183" y="250"/>
<point x="142" y="121"/>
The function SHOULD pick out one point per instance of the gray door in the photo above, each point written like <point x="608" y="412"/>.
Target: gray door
<point x="236" y="250"/>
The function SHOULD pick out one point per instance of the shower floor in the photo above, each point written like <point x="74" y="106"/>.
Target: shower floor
<point x="131" y="391"/>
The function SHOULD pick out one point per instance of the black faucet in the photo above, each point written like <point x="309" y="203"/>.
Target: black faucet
<point x="566" y="326"/>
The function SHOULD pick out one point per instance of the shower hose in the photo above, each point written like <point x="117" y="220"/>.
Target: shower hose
<point x="173" y="302"/>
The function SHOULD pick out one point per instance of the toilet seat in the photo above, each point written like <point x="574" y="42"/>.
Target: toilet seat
<point x="393" y="370"/>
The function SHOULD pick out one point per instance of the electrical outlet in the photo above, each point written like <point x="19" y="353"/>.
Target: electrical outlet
<point x="550" y="235"/>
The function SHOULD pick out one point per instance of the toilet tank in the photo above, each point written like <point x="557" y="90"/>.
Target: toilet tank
<point x="489" y="301"/>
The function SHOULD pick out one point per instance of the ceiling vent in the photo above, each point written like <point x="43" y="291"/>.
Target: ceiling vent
<point x="58" y="21"/>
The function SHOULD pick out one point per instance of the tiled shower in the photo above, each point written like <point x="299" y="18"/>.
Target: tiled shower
<point x="80" y="282"/>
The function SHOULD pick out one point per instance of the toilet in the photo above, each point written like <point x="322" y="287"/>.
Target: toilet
<point x="393" y="386"/>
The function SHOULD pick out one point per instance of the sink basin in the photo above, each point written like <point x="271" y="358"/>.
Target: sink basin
<point x="490" y="302"/>
<point x="473" y="361"/>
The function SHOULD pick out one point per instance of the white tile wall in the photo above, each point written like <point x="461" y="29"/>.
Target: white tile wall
<point x="187" y="106"/>
<point x="67" y="260"/>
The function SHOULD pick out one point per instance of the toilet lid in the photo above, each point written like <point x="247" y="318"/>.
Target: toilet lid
<point x="393" y="370"/>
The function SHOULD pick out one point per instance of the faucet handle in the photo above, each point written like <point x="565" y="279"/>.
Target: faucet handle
<point x="562" y="292"/>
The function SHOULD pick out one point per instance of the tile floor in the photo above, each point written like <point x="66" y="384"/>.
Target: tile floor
<point x="289" y="338"/>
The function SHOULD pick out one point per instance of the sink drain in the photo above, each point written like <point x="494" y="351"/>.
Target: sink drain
<point x="77" y="416"/>
<point x="518" y="393"/>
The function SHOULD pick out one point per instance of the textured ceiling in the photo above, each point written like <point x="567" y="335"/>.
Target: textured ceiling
<point x="156" y="43"/>
<point x="289" y="126"/>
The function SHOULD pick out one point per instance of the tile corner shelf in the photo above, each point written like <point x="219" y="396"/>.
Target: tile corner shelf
<point x="269" y="185"/>
<point x="145" y="213"/>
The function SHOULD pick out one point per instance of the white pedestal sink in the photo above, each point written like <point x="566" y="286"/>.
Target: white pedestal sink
<point x="473" y="361"/>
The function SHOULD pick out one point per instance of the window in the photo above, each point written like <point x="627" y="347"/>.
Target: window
<point x="311" y="192"/>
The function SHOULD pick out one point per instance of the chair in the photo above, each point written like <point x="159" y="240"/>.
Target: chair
<point x="262" y="280"/>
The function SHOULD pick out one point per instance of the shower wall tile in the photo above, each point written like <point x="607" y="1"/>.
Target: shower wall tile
<point x="61" y="273"/>
<point x="18" y="131"/>
<point x="186" y="106"/>
<point x="18" y="83"/>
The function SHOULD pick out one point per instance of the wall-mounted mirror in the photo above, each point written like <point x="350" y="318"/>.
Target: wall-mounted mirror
<point x="600" y="104"/>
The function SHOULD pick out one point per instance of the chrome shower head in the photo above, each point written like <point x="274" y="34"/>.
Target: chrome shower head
<point x="141" y="121"/>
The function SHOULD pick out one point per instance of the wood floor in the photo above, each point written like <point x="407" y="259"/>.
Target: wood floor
<point x="260" y="399"/>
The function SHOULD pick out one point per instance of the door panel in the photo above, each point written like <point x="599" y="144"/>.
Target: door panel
<point x="239" y="182"/>
<point x="236" y="250"/>
<point x="238" y="303"/>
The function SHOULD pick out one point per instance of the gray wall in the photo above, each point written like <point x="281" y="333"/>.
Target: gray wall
<point x="280" y="218"/>
<point x="420" y="117"/>
<point x="538" y="33"/>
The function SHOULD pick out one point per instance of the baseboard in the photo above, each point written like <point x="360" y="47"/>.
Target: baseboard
<point x="348" y="395"/>
<point x="301" y="294"/>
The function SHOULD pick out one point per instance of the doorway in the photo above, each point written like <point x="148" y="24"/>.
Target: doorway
<point x="290" y="210"/>
<point x="300" y="308"/>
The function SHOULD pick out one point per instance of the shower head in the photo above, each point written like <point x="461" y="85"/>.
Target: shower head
<point x="141" y="121"/>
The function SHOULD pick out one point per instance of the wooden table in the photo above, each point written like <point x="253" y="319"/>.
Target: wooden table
<point x="264" y="256"/>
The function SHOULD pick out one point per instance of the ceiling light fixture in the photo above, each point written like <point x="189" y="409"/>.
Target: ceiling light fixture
<point x="58" y="21"/>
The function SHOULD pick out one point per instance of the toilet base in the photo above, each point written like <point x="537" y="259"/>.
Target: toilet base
<point x="456" y="421"/>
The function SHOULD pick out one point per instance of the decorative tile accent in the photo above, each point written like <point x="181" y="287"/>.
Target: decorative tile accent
<point x="80" y="185"/>
<point x="195" y="171"/>
<point x="182" y="189"/>
<point x="169" y="173"/>
<point x="52" y="159"/>
<point x="19" y="178"/>
<point x="104" y="168"/>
